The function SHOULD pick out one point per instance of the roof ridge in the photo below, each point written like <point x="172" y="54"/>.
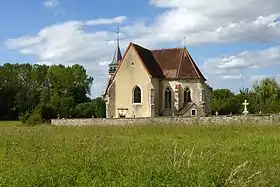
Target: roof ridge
<point x="163" y="49"/>
<point x="192" y="63"/>
<point x="134" y="44"/>
<point x="180" y="64"/>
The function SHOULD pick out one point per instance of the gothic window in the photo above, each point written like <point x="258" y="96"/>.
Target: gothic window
<point x="167" y="98"/>
<point x="137" y="95"/>
<point x="152" y="96"/>
<point x="202" y="95"/>
<point x="187" y="95"/>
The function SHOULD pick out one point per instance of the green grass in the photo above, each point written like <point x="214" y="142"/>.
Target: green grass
<point x="9" y="123"/>
<point x="140" y="156"/>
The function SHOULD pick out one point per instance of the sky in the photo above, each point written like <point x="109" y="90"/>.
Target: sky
<point x="234" y="43"/>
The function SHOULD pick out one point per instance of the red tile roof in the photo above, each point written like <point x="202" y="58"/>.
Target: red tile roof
<point x="173" y="63"/>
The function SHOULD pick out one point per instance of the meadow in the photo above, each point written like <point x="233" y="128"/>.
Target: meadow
<point x="162" y="155"/>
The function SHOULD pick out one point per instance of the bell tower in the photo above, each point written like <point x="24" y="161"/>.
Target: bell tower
<point x="117" y="56"/>
<point x="112" y="69"/>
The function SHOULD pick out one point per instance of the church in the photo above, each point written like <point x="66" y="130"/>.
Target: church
<point x="158" y="82"/>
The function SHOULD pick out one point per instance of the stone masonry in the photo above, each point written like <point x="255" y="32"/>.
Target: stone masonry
<point x="219" y="120"/>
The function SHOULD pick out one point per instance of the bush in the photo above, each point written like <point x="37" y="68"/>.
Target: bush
<point x="35" y="118"/>
<point x="47" y="111"/>
<point x="24" y="117"/>
<point x="85" y="110"/>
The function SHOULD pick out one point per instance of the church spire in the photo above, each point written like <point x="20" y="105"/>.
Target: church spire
<point x="117" y="56"/>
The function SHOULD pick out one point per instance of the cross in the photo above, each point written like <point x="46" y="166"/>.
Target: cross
<point x="245" y="107"/>
<point x="217" y="113"/>
<point x="185" y="38"/>
<point x="245" y="103"/>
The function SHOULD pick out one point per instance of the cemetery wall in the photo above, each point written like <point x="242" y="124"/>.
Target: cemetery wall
<point x="219" y="120"/>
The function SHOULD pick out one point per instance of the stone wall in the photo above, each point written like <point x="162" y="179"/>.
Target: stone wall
<point x="220" y="120"/>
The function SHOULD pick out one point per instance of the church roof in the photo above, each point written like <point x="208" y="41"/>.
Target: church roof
<point x="172" y="63"/>
<point x="117" y="56"/>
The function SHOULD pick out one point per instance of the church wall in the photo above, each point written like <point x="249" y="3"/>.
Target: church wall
<point x="194" y="85"/>
<point x="157" y="96"/>
<point x="130" y="74"/>
<point x="112" y="100"/>
<point x="164" y="85"/>
<point x="195" y="89"/>
<point x="207" y="99"/>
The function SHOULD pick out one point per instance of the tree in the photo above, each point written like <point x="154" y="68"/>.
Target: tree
<point x="25" y="87"/>
<point x="268" y="95"/>
<point x="100" y="107"/>
<point x="223" y="101"/>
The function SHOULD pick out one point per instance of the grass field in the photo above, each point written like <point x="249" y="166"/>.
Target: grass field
<point x="140" y="156"/>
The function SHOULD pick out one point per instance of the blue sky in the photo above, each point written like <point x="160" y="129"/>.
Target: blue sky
<point x="233" y="44"/>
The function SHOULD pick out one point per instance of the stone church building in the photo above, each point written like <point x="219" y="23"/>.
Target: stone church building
<point x="160" y="82"/>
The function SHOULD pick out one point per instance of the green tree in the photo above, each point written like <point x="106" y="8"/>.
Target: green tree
<point x="268" y="95"/>
<point x="100" y="107"/>
<point x="24" y="88"/>
<point x="224" y="101"/>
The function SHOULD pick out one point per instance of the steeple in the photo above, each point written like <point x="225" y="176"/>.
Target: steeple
<point x="117" y="56"/>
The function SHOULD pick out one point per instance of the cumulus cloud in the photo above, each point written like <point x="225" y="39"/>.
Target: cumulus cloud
<point x="51" y="3"/>
<point x="242" y="69"/>
<point x="247" y="60"/>
<point x="68" y="43"/>
<point x="106" y="21"/>
<point x="200" y="21"/>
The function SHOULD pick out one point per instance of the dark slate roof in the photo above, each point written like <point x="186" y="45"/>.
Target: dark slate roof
<point x="149" y="61"/>
<point x="117" y="56"/>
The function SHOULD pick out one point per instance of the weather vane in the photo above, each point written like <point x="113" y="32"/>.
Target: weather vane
<point x="185" y="38"/>
<point x="118" y="35"/>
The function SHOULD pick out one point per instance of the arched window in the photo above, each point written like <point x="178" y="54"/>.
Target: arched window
<point x="137" y="95"/>
<point x="187" y="95"/>
<point x="167" y="98"/>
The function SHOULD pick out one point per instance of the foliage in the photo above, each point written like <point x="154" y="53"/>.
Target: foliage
<point x="35" y="118"/>
<point x="162" y="155"/>
<point x="85" y="110"/>
<point x="100" y="108"/>
<point x="264" y="97"/>
<point x="47" y="91"/>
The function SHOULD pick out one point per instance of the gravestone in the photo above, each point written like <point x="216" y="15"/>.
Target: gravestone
<point x="216" y="113"/>
<point x="245" y="111"/>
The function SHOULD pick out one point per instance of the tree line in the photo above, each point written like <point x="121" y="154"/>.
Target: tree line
<point x="37" y="93"/>
<point x="263" y="97"/>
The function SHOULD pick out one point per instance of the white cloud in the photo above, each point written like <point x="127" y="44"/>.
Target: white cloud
<point x="51" y="3"/>
<point x="247" y="60"/>
<point x="242" y="69"/>
<point x="217" y="21"/>
<point x="106" y="21"/>
<point x="68" y="43"/>
<point x="255" y="78"/>
<point x="201" y="21"/>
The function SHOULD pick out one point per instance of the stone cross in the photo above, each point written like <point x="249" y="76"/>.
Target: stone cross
<point x="216" y="113"/>
<point x="245" y="112"/>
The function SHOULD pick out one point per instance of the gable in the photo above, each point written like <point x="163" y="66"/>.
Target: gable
<point x="173" y="63"/>
<point x="149" y="61"/>
<point x="132" y="64"/>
